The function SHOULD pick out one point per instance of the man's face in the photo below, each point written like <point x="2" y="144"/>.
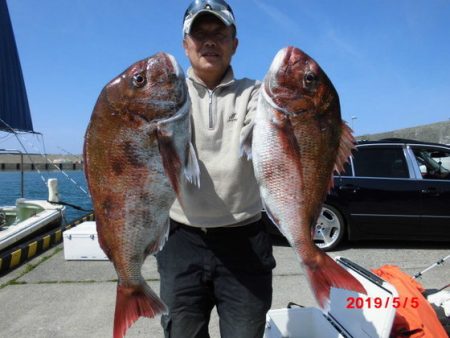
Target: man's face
<point x="209" y="47"/>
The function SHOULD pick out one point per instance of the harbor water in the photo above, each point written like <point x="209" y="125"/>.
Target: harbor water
<point x="70" y="189"/>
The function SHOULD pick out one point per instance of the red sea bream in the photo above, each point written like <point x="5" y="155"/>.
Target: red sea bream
<point x="298" y="141"/>
<point x="137" y="151"/>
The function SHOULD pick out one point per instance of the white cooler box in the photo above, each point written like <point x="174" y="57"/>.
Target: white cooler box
<point x="350" y="314"/>
<point x="81" y="243"/>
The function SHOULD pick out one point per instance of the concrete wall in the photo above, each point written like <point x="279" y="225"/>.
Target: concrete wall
<point x="10" y="162"/>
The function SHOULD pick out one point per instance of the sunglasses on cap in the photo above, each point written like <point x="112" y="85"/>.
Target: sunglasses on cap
<point x="217" y="7"/>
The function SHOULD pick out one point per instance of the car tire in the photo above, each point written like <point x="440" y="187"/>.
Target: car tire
<point x="330" y="228"/>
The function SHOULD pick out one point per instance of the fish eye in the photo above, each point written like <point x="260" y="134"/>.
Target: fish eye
<point x="139" y="80"/>
<point x="309" y="78"/>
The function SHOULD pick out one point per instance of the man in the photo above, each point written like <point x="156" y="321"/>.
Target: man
<point x="218" y="253"/>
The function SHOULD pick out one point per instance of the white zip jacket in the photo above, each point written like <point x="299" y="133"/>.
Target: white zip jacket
<point x="228" y="193"/>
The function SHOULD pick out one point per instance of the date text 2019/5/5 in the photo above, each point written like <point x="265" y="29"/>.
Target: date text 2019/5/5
<point x="382" y="303"/>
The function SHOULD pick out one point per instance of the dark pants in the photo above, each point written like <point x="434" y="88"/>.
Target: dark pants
<point x="230" y="268"/>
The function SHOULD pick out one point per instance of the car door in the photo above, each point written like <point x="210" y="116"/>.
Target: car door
<point x="433" y="167"/>
<point x="381" y="199"/>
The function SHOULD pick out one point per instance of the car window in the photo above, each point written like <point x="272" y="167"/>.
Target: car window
<point x="434" y="163"/>
<point x="380" y="162"/>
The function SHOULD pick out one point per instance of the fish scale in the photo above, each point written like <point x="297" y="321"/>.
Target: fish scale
<point x="137" y="152"/>
<point x="275" y="176"/>
<point x="298" y="140"/>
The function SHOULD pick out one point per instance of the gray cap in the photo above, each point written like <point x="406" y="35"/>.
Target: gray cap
<point x="219" y="8"/>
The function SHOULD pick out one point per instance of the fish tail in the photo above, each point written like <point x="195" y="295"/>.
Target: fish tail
<point x="132" y="303"/>
<point x="325" y="273"/>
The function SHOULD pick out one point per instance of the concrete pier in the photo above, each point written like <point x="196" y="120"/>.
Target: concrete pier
<point x="14" y="162"/>
<point x="52" y="297"/>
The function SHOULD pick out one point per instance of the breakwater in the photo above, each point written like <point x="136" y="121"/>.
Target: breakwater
<point x="18" y="162"/>
<point x="40" y="166"/>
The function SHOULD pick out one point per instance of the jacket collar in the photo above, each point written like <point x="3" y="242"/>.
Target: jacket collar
<point x="227" y="79"/>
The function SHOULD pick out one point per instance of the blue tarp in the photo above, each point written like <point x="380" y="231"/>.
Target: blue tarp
<point x="14" y="107"/>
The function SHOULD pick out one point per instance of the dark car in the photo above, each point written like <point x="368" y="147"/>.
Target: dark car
<point x="391" y="189"/>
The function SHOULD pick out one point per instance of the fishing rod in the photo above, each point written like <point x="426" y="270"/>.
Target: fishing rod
<point x="432" y="266"/>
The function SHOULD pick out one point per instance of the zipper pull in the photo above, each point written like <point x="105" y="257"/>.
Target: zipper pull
<point x="211" y="124"/>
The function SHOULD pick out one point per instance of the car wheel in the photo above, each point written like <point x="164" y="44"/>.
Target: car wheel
<point x="330" y="228"/>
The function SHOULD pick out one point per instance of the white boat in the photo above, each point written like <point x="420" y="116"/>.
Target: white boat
<point x="27" y="217"/>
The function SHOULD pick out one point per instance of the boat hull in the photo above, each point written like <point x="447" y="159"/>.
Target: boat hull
<point x="32" y="217"/>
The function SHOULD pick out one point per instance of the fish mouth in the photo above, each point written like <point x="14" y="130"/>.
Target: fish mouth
<point x="180" y="82"/>
<point x="179" y="110"/>
<point x="284" y="85"/>
<point x="175" y="66"/>
<point x="278" y="72"/>
<point x="274" y="90"/>
<point x="160" y="91"/>
<point x="176" y="76"/>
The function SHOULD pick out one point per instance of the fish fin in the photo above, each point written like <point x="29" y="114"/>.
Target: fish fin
<point x="170" y="159"/>
<point x="157" y="245"/>
<point x="245" y="148"/>
<point x="324" y="273"/>
<point x="165" y="238"/>
<point x="346" y="146"/>
<point x="192" y="169"/>
<point x="135" y="302"/>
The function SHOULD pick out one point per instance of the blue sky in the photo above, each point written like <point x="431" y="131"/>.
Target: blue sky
<point x="388" y="59"/>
